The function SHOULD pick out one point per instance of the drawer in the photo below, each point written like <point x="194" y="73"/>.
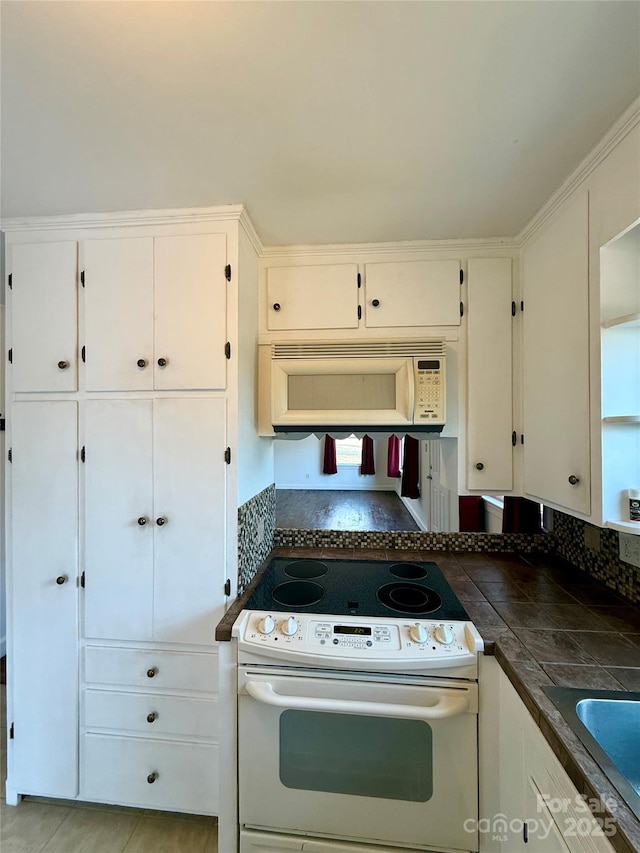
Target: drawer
<point x="117" y="770"/>
<point x="149" y="668"/>
<point x="151" y="713"/>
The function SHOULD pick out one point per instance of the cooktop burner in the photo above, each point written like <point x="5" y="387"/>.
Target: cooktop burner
<point x="356" y="587"/>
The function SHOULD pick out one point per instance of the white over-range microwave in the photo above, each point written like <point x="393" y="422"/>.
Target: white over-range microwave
<point x="359" y="386"/>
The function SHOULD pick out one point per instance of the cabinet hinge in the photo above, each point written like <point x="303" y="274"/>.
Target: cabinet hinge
<point x="359" y="280"/>
<point x="82" y="580"/>
<point x="514" y="438"/>
<point x="522" y="439"/>
<point x="83" y="353"/>
<point x="461" y="276"/>
<point x="522" y="305"/>
<point x="525" y="832"/>
<point x="10" y="355"/>
<point x="2" y="424"/>
<point x="227" y="349"/>
<point x="227" y="272"/>
<point x="11" y="732"/>
<point x="462" y="309"/>
<point x="227" y="587"/>
<point x="83" y="455"/>
<point x="514" y="308"/>
<point x="10" y="454"/>
<point x="359" y="312"/>
<point x="227" y="456"/>
<point x="10" y="281"/>
<point x="82" y="278"/>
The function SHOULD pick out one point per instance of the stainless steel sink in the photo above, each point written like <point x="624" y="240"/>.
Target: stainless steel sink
<point x="608" y="724"/>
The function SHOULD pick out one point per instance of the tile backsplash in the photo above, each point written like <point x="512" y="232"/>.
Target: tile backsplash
<point x="605" y="564"/>
<point x="256" y="526"/>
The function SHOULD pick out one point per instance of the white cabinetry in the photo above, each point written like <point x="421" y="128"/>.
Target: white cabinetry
<point x="43" y="337"/>
<point x="323" y="296"/>
<point x="556" y="360"/>
<point x="489" y="370"/>
<point x="412" y="293"/>
<point x="154" y="499"/>
<point x="141" y="331"/>
<point x="43" y="673"/>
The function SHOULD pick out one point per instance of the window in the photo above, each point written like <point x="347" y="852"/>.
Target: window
<point x="348" y="450"/>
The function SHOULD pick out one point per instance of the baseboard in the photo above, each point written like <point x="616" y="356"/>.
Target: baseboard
<point x="333" y="488"/>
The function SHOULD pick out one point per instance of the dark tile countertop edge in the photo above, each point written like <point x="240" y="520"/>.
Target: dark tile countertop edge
<point x="518" y="658"/>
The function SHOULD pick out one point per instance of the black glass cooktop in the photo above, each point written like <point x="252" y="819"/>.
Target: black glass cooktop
<point x="356" y="587"/>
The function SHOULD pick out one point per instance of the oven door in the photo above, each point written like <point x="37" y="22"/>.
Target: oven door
<point x="344" y="757"/>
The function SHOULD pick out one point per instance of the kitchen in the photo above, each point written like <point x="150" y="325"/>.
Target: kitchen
<point x="128" y="163"/>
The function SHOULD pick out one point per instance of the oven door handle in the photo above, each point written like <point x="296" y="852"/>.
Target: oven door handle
<point x="447" y="705"/>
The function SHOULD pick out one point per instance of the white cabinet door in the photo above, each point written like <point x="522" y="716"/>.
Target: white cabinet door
<point x="556" y="360"/>
<point x="412" y="293"/>
<point x="190" y="311"/>
<point x="189" y="438"/>
<point x="312" y="297"/>
<point x="44" y="316"/>
<point x="43" y="606"/>
<point x="489" y="412"/>
<point x="118" y="314"/>
<point x="118" y="488"/>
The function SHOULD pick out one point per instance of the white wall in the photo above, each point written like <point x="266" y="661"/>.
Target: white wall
<point x="298" y="465"/>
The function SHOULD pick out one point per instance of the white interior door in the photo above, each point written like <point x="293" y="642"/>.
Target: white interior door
<point x="43" y="672"/>
<point x="118" y="314"/>
<point x="189" y="438"/>
<point x="190" y="311"/>
<point x="118" y="486"/>
<point x="489" y="396"/>
<point x="438" y="492"/>
<point x="412" y="293"/>
<point x="44" y="316"/>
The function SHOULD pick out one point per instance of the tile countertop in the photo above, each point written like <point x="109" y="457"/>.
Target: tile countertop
<point x="546" y="622"/>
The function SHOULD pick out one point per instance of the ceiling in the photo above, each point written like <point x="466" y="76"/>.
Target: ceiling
<point x="332" y="122"/>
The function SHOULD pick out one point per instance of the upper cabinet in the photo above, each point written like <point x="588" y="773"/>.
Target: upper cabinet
<point x="43" y="295"/>
<point x="555" y="266"/>
<point x="312" y="297"/>
<point x="412" y="293"/>
<point x="155" y="313"/>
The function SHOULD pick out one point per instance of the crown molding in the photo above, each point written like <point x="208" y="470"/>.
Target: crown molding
<point x="124" y="218"/>
<point x="249" y="229"/>
<point x="406" y="247"/>
<point x="616" y="133"/>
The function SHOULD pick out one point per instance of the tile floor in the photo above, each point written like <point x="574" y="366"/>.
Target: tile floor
<point x="38" y="825"/>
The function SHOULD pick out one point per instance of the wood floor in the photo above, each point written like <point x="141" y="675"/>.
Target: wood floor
<point x="306" y="509"/>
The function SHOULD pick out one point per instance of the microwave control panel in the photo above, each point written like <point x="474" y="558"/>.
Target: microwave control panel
<point x="430" y="385"/>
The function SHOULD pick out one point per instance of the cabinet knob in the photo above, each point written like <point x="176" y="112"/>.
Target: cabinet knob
<point x="162" y="362"/>
<point x="276" y="306"/>
<point x="61" y="579"/>
<point x="63" y="365"/>
<point x="152" y="717"/>
<point x="151" y="778"/>
<point x="480" y="466"/>
<point x="574" y="480"/>
<point x="375" y="302"/>
<point x="151" y="673"/>
<point x="142" y="521"/>
<point x="160" y="521"/>
<point x="141" y="362"/>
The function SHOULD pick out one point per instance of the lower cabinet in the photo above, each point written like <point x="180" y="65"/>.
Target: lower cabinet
<point x="150" y="728"/>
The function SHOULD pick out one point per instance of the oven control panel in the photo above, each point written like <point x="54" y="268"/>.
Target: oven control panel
<point x="331" y="637"/>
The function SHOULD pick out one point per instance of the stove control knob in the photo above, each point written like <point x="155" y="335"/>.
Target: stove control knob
<point x="289" y="626"/>
<point x="444" y="635"/>
<point x="418" y="633"/>
<point x="266" y="625"/>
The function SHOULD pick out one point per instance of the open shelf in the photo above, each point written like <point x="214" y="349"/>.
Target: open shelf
<point x="629" y="320"/>
<point x="624" y="526"/>
<point x="622" y="419"/>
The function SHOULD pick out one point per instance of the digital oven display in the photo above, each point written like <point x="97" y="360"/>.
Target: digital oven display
<point x="428" y="365"/>
<point x="360" y="630"/>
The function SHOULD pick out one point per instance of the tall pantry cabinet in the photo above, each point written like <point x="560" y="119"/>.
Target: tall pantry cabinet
<point x="122" y="409"/>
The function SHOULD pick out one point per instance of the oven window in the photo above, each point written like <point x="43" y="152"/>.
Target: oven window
<point x="350" y="754"/>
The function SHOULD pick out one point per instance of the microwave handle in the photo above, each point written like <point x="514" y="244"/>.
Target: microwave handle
<point x="446" y="706"/>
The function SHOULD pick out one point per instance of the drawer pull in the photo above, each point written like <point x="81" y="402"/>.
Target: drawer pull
<point x="574" y="480"/>
<point x="62" y="579"/>
<point x="162" y="362"/>
<point x="151" y="673"/>
<point x="142" y="363"/>
<point x="62" y="365"/>
<point x="142" y="521"/>
<point x="152" y="717"/>
<point x="151" y="778"/>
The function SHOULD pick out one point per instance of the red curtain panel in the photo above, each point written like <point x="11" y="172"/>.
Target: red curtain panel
<point x="410" y="468"/>
<point x="471" y="509"/>
<point x="520" y="515"/>
<point x="329" y="465"/>
<point x="393" y="456"/>
<point x="367" y="463"/>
